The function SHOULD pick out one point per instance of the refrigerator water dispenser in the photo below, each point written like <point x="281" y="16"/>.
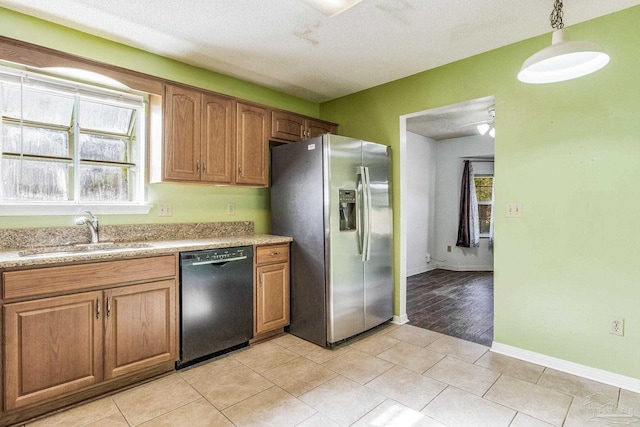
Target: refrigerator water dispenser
<point x="347" y="206"/>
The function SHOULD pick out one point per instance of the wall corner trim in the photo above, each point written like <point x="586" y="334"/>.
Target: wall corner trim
<point x="606" y="377"/>
<point x="400" y="320"/>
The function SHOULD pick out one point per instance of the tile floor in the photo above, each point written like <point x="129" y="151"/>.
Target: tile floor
<point x="400" y="376"/>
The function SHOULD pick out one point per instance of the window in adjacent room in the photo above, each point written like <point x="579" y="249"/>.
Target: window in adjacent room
<point x="484" y="194"/>
<point x="66" y="143"/>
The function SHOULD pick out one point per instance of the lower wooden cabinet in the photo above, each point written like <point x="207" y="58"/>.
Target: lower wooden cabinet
<point x="59" y="346"/>
<point x="140" y="329"/>
<point x="52" y="346"/>
<point x="271" y="309"/>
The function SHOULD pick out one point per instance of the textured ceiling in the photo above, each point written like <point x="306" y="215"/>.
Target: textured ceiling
<point x="453" y="121"/>
<point x="290" y="46"/>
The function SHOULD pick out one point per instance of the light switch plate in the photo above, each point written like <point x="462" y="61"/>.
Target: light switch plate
<point x="231" y="209"/>
<point x="514" y="210"/>
<point x="165" y="209"/>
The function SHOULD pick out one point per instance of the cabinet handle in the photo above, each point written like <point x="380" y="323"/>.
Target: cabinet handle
<point x="204" y="166"/>
<point x="108" y="306"/>
<point x="240" y="170"/>
<point x="274" y="253"/>
<point x="98" y="308"/>
<point x="260" y="280"/>
<point x="198" y="166"/>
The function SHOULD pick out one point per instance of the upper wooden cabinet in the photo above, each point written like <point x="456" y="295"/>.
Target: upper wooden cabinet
<point x="212" y="138"/>
<point x="198" y="136"/>
<point x="287" y="126"/>
<point x="216" y="150"/>
<point x="182" y="123"/>
<point x="252" y="144"/>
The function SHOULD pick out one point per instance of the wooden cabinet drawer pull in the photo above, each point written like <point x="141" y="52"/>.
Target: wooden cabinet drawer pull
<point x="274" y="253"/>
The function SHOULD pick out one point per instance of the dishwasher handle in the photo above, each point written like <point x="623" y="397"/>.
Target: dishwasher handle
<point x="217" y="261"/>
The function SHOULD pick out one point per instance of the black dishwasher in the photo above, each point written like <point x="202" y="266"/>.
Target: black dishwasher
<point x="216" y="302"/>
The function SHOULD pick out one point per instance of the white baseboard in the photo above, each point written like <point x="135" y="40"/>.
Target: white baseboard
<point x="400" y="320"/>
<point x="421" y="270"/>
<point x="455" y="267"/>
<point x="606" y="377"/>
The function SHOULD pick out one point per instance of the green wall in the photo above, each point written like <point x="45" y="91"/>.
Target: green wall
<point x="570" y="154"/>
<point x="191" y="203"/>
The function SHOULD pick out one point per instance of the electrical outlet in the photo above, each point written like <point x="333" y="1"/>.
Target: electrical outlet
<point x="428" y="258"/>
<point x="514" y="210"/>
<point x="165" y="209"/>
<point x="616" y="326"/>
<point x="449" y="248"/>
<point x="231" y="209"/>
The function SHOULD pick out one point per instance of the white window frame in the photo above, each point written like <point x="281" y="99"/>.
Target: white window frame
<point x="75" y="206"/>
<point x="490" y="202"/>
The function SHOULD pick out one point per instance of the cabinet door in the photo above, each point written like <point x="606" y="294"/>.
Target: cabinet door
<point x="252" y="145"/>
<point x="182" y="118"/>
<point x="52" y="346"/>
<point x="287" y="126"/>
<point x="272" y="297"/>
<point x="317" y="127"/>
<point x="140" y="327"/>
<point x="217" y="139"/>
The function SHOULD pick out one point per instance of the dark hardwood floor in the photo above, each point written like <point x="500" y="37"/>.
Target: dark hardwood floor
<point x="455" y="303"/>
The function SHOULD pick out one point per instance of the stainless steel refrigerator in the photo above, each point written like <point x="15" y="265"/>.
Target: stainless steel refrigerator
<point x="331" y="194"/>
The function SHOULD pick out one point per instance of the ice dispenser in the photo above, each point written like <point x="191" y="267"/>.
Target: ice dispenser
<point x="347" y="203"/>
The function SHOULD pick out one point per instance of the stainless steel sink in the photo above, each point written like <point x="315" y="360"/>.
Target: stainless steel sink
<point x="81" y="247"/>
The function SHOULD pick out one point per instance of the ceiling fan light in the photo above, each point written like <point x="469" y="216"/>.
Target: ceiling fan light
<point x="563" y="60"/>
<point x="483" y="128"/>
<point x="492" y="132"/>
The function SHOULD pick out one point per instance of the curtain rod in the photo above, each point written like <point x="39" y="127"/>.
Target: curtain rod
<point x="480" y="160"/>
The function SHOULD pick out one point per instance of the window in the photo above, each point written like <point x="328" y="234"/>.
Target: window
<point x="484" y="194"/>
<point x="66" y="143"/>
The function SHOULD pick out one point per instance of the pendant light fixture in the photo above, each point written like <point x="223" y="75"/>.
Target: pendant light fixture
<point x="564" y="59"/>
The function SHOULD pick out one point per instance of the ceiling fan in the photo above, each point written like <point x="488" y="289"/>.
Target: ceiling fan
<point x="487" y="125"/>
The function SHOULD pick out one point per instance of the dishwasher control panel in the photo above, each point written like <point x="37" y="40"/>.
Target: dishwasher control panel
<point x="216" y="255"/>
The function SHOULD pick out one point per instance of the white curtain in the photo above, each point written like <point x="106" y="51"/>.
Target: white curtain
<point x="474" y="222"/>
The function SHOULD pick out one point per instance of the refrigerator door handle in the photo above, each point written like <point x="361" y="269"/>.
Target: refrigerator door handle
<point x="360" y="210"/>
<point x="368" y="209"/>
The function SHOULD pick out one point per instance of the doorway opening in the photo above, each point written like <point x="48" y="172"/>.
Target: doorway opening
<point x="446" y="288"/>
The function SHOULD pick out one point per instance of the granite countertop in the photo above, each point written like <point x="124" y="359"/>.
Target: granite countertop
<point x="12" y="258"/>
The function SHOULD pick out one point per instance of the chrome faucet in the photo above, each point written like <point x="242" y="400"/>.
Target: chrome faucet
<point x="91" y="223"/>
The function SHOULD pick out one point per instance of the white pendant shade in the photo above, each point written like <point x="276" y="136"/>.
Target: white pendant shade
<point x="563" y="60"/>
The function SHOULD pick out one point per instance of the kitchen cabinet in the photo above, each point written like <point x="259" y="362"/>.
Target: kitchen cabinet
<point x="292" y="127"/>
<point x="271" y="297"/>
<point x="198" y="136"/>
<point x="116" y="318"/>
<point x="252" y="144"/>
<point x="140" y="327"/>
<point x="210" y="138"/>
<point x="52" y="346"/>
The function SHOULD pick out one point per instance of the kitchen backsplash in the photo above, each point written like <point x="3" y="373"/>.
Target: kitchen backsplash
<point x="18" y="238"/>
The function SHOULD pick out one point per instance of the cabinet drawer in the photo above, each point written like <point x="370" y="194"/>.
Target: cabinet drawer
<point x="271" y="254"/>
<point x="55" y="280"/>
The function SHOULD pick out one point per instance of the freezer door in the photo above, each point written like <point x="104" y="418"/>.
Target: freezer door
<point x="378" y="269"/>
<point x="297" y="210"/>
<point x="345" y="295"/>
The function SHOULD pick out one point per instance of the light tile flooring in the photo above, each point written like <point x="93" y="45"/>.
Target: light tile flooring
<point x="400" y="376"/>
